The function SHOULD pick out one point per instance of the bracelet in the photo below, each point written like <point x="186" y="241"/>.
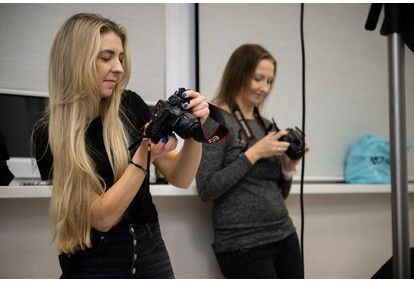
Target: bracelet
<point x="139" y="166"/>
<point x="288" y="174"/>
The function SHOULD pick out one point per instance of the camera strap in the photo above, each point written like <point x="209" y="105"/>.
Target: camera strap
<point x="219" y="134"/>
<point x="244" y="127"/>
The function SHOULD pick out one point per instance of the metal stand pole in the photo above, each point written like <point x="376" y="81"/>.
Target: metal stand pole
<point x="396" y="22"/>
<point x="399" y="180"/>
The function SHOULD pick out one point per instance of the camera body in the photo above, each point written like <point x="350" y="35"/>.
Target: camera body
<point x="295" y="138"/>
<point x="169" y="116"/>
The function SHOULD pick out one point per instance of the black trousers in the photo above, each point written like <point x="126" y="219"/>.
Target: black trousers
<point x="134" y="251"/>
<point x="277" y="260"/>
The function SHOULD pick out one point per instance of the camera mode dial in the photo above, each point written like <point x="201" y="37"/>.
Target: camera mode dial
<point x="173" y="100"/>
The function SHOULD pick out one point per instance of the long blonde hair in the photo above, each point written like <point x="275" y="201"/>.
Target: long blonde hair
<point x="74" y="102"/>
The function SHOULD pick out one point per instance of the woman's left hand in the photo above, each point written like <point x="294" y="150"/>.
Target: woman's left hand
<point x="165" y="145"/>
<point x="289" y="164"/>
<point x="198" y="105"/>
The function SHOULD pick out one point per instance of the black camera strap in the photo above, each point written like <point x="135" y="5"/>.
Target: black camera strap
<point x="244" y="127"/>
<point x="219" y="134"/>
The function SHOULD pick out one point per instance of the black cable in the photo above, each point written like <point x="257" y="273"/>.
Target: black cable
<point x="197" y="47"/>
<point x="148" y="160"/>
<point x="303" y="140"/>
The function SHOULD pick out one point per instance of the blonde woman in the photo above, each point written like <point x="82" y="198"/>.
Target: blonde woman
<point x="102" y="214"/>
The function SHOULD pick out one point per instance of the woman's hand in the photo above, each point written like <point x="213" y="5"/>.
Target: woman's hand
<point x="289" y="164"/>
<point x="164" y="145"/>
<point x="267" y="146"/>
<point x="198" y="105"/>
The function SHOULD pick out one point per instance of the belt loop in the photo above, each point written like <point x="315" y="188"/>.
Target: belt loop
<point x="149" y="230"/>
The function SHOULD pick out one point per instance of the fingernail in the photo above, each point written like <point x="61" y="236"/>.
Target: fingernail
<point x="164" y="140"/>
<point x="183" y="94"/>
<point x="185" y="105"/>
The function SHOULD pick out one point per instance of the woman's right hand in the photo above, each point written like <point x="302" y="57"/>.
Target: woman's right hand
<point x="267" y="146"/>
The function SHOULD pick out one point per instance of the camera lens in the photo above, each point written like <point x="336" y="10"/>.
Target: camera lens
<point x="187" y="126"/>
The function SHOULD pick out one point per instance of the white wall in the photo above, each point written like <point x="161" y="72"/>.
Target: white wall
<point x="346" y="72"/>
<point x="347" y="236"/>
<point x="161" y="41"/>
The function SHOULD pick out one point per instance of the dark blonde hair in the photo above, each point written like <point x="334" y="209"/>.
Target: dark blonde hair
<point x="239" y="71"/>
<point x="74" y="102"/>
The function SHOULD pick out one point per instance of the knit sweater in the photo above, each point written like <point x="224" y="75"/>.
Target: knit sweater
<point x="248" y="200"/>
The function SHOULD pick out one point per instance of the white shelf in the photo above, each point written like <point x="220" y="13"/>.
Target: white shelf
<point x="168" y="190"/>
<point x="25" y="191"/>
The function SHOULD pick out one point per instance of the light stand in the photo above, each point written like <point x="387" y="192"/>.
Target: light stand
<point x="395" y="28"/>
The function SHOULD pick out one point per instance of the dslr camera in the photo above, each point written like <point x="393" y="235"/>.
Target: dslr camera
<point x="169" y="116"/>
<point x="295" y="138"/>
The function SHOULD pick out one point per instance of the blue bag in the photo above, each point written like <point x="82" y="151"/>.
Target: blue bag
<point x="368" y="161"/>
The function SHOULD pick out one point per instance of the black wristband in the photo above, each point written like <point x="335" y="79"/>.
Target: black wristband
<point x="139" y="166"/>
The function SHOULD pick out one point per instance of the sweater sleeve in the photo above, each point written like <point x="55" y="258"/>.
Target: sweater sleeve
<point x="216" y="174"/>
<point x="285" y="186"/>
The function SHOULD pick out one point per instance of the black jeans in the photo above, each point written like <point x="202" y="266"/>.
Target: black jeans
<point x="277" y="260"/>
<point x="134" y="251"/>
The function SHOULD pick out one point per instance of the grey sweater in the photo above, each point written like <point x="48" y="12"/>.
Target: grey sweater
<point x="248" y="200"/>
